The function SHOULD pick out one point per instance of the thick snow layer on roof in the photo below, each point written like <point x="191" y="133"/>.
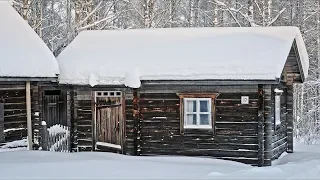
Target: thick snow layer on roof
<point x="180" y="54"/>
<point x="22" y="52"/>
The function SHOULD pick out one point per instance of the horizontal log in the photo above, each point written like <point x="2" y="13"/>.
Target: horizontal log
<point x="12" y="93"/>
<point x="235" y="103"/>
<point x="235" y="118"/>
<point x="237" y="126"/>
<point x="200" y="152"/>
<point x="165" y="144"/>
<point x="237" y="110"/>
<point x="237" y="96"/>
<point x="235" y="132"/>
<point x="158" y="96"/>
<point x="150" y="115"/>
<point x="161" y="103"/>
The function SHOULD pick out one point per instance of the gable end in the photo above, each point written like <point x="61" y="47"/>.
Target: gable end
<point x="293" y="71"/>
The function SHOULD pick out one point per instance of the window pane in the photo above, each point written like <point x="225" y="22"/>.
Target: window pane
<point x="278" y="110"/>
<point x="204" y="106"/>
<point x="191" y="106"/>
<point x="191" y="119"/>
<point x="204" y="119"/>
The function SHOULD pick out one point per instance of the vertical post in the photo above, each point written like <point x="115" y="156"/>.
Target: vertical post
<point x="44" y="136"/>
<point x="260" y="126"/>
<point x="136" y="116"/>
<point x="28" y="106"/>
<point x="290" y="118"/>
<point x="94" y="120"/>
<point x="268" y="130"/>
<point x="1" y="122"/>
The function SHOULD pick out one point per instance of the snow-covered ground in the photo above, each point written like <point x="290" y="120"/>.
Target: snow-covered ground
<point x="303" y="164"/>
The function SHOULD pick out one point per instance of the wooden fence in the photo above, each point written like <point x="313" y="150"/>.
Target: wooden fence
<point x="55" y="138"/>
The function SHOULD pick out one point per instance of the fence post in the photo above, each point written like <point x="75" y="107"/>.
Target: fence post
<point x="44" y="136"/>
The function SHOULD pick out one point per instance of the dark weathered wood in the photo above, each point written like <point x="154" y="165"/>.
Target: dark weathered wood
<point x="290" y="119"/>
<point x="268" y="131"/>
<point x="1" y="122"/>
<point x="261" y="125"/>
<point x="136" y="116"/>
<point x="14" y="100"/>
<point x="44" y="137"/>
<point x="161" y="127"/>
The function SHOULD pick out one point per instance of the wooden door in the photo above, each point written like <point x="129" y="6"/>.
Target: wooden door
<point x="109" y="121"/>
<point x="54" y="107"/>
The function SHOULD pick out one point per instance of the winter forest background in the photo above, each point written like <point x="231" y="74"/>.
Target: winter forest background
<point x="58" y="21"/>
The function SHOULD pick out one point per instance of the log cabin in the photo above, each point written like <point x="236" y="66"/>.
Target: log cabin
<point x="217" y="92"/>
<point x="26" y="63"/>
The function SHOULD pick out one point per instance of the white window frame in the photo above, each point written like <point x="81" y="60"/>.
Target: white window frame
<point x="277" y="109"/>
<point x="185" y="113"/>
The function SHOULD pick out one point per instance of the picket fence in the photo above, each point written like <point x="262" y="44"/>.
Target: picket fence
<point x="55" y="138"/>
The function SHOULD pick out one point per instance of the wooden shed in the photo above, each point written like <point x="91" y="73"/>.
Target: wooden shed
<point x="219" y="92"/>
<point x="26" y="63"/>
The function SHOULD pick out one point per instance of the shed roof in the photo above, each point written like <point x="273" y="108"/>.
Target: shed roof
<point x="22" y="52"/>
<point x="253" y="53"/>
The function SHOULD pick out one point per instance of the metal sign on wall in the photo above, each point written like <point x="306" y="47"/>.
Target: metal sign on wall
<point x="244" y="99"/>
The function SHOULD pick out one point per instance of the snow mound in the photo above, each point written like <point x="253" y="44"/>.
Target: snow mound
<point x="304" y="163"/>
<point x="132" y="79"/>
<point x="15" y="144"/>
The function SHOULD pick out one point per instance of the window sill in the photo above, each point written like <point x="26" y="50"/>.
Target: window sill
<point x="197" y="127"/>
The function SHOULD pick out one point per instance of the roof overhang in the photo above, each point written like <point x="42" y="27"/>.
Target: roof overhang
<point x="209" y="82"/>
<point x="34" y="79"/>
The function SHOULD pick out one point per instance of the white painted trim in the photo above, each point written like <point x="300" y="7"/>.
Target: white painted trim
<point x="185" y="113"/>
<point x="277" y="105"/>
<point x="198" y="127"/>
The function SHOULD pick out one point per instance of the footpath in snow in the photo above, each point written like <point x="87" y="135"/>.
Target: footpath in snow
<point x="303" y="164"/>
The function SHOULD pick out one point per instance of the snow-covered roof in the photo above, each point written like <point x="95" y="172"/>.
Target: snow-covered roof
<point x="254" y="53"/>
<point x="22" y="52"/>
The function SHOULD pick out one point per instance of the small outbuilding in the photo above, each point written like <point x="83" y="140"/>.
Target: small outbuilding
<point x="26" y="64"/>
<point x="219" y="92"/>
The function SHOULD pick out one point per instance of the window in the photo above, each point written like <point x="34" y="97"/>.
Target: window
<point x="277" y="110"/>
<point x="197" y="113"/>
<point x="108" y="94"/>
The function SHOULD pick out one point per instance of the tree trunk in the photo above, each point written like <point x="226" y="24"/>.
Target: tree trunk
<point x="250" y="12"/>
<point x="194" y="13"/>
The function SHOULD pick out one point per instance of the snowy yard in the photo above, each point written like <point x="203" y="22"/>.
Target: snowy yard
<point x="303" y="164"/>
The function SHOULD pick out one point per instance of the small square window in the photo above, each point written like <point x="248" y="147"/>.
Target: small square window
<point x="118" y="93"/>
<point x="105" y="94"/>
<point x="99" y="93"/>
<point x="197" y="113"/>
<point x="277" y="110"/>
<point x="111" y="93"/>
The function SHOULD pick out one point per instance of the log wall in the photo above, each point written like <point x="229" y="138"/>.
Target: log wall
<point x="279" y="137"/>
<point x="15" y="116"/>
<point x="235" y="136"/>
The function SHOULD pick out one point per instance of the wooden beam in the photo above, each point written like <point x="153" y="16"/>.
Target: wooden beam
<point x="290" y="119"/>
<point x="210" y="82"/>
<point x="136" y="115"/>
<point x="268" y="128"/>
<point x="260" y="126"/>
<point x="1" y="122"/>
<point x="28" y="106"/>
<point x="24" y="79"/>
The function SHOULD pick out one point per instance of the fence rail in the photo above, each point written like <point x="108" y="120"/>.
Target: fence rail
<point x="55" y="138"/>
